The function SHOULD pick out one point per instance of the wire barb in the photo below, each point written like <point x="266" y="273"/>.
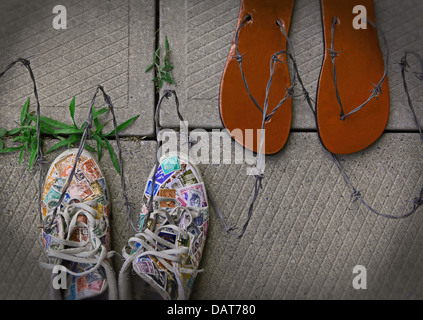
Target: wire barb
<point x="333" y="54"/>
<point x="239" y="57"/>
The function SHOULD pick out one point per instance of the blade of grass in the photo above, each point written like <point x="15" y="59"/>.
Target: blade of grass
<point x="166" y="44"/>
<point x="91" y="149"/>
<point x="100" y="127"/>
<point x="53" y="123"/>
<point x="123" y="126"/>
<point x="112" y="154"/>
<point x="24" y="112"/>
<point x="28" y="119"/>
<point x="98" y="139"/>
<point x="20" y="138"/>
<point x="72" y="111"/>
<point x="12" y="149"/>
<point x="149" y="67"/>
<point x="43" y="128"/>
<point x="69" y="131"/>
<point x="21" y="156"/>
<point x="99" y="112"/>
<point x="33" y="153"/>
<point x="156" y="54"/>
<point x="167" y="69"/>
<point x="13" y="131"/>
<point x="62" y="144"/>
<point x="99" y="151"/>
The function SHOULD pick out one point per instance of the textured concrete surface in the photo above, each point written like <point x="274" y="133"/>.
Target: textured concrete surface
<point x="199" y="54"/>
<point x="106" y="42"/>
<point x="303" y="241"/>
<point x="306" y="234"/>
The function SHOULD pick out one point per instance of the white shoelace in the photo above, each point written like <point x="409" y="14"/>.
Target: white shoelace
<point x="163" y="250"/>
<point x="90" y="251"/>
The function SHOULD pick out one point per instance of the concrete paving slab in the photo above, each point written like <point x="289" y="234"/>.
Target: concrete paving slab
<point x="105" y="43"/>
<point x="201" y="33"/>
<point x="305" y="237"/>
<point x="307" y="233"/>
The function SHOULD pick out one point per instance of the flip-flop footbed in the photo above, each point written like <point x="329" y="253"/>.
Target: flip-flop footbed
<point x="259" y="39"/>
<point x="359" y="65"/>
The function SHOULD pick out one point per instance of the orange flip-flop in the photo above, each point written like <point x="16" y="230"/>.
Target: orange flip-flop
<point x="259" y="39"/>
<point x="352" y="104"/>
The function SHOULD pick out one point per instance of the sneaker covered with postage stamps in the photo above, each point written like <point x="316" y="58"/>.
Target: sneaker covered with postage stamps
<point x="163" y="260"/>
<point x="79" y="239"/>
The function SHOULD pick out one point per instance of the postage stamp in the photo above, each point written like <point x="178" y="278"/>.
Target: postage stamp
<point x="96" y="188"/>
<point x="96" y="286"/>
<point x="48" y="184"/>
<point x="67" y="170"/>
<point x="182" y="202"/>
<point x="145" y="265"/>
<point x="81" y="284"/>
<point x="79" y="174"/>
<point x="91" y="171"/>
<point x="188" y="177"/>
<point x="59" y="184"/>
<point x="194" y="195"/>
<point x="171" y="164"/>
<point x="186" y="220"/>
<point x="80" y="190"/>
<point x="167" y="193"/>
<point x="62" y="163"/>
<point x="156" y="188"/>
<point x="161" y="176"/>
<point x="173" y="184"/>
<point x="102" y="183"/>
<point x="52" y="195"/>
<point x="53" y="173"/>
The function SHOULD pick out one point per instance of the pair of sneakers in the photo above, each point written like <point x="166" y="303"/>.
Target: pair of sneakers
<point x="160" y="262"/>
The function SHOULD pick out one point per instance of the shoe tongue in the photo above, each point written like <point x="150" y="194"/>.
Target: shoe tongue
<point x="154" y="273"/>
<point x="92" y="284"/>
<point x="80" y="232"/>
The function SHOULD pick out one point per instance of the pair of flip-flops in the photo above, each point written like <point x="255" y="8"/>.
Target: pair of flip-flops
<point x="351" y="113"/>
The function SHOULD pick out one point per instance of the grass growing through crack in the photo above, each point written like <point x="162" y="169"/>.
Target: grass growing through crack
<point x="163" y="67"/>
<point x="26" y="134"/>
